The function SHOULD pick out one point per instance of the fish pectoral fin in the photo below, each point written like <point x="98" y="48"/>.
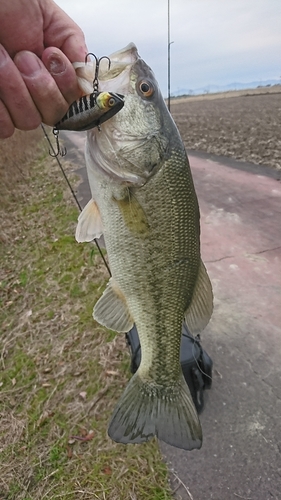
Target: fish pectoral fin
<point x="133" y="215"/>
<point x="111" y="309"/>
<point x="198" y="314"/>
<point x="89" y="224"/>
<point x="146" y="410"/>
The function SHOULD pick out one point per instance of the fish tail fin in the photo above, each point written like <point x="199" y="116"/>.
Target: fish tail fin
<point x="146" y="410"/>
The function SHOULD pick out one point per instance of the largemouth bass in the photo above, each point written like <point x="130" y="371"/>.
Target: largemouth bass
<point x="145" y="205"/>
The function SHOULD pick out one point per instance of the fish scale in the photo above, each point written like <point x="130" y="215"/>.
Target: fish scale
<point x="156" y="299"/>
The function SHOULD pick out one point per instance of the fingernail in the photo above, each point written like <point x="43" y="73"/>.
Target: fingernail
<point x="55" y="65"/>
<point x="28" y="63"/>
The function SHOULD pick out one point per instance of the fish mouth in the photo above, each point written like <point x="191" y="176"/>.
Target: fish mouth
<point x="117" y="77"/>
<point x="119" y="60"/>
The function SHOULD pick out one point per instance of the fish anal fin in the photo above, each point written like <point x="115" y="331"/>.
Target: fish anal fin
<point x="89" y="224"/>
<point x="198" y="314"/>
<point x="146" y="410"/>
<point x="111" y="309"/>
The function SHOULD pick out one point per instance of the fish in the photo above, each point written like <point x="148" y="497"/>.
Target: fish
<point x="90" y="111"/>
<point x="145" y="205"/>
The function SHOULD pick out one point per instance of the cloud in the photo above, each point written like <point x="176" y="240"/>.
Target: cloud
<point x="213" y="39"/>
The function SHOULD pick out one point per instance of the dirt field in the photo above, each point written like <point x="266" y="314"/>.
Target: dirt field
<point x="246" y="127"/>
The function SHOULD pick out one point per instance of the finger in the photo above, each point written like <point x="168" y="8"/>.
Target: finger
<point x="62" y="32"/>
<point x="6" y="125"/>
<point x="74" y="47"/>
<point x="42" y="87"/>
<point x="17" y="102"/>
<point x="62" y="72"/>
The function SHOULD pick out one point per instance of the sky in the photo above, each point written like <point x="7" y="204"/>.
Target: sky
<point x="214" y="41"/>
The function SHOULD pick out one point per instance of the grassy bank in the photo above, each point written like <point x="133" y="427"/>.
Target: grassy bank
<point x="61" y="373"/>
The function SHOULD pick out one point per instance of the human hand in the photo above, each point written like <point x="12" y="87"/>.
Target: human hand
<point x="38" y="43"/>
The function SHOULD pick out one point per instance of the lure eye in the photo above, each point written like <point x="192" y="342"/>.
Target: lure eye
<point x="146" y="88"/>
<point x="111" y="101"/>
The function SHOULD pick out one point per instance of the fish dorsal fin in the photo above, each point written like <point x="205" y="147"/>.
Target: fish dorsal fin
<point x="111" y="309"/>
<point x="89" y="224"/>
<point x="198" y="314"/>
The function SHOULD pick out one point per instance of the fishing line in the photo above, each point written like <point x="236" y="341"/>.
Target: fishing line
<point x="196" y="341"/>
<point x="72" y="192"/>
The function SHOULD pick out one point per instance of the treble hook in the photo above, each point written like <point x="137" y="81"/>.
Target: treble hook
<point x="60" y="151"/>
<point x="98" y="60"/>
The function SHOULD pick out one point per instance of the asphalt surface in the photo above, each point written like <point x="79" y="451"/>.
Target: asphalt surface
<point x="240" y="208"/>
<point x="241" y="246"/>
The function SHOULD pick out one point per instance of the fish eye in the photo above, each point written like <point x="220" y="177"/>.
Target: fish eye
<point x="146" y="88"/>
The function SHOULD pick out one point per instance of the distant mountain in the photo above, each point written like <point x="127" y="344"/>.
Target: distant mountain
<point x="211" y="89"/>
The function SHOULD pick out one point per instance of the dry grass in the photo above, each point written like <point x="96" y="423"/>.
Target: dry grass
<point x="61" y="373"/>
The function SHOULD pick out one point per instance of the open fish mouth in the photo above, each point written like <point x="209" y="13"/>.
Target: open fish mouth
<point x="115" y="78"/>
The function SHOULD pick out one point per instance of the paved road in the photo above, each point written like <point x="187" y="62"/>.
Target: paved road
<point x="241" y="246"/>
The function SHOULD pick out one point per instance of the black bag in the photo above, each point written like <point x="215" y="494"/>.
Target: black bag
<point x="195" y="362"/>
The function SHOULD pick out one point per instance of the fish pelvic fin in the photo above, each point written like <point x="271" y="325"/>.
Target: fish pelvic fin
<point x="111" y="309"/>
<point x="146" y="410"/>
<point x="199" y="313"/>
<point x="89" y="224"/>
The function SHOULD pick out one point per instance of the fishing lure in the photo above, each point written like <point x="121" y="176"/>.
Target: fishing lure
<point x="90" y="110"/>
